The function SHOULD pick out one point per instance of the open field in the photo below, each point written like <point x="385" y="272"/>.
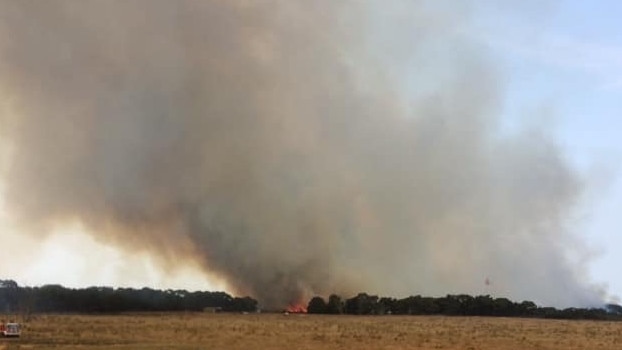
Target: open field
<point x="276" y="331"/>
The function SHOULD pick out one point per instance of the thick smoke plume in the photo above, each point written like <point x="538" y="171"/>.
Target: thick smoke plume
<point x="290" y="147"/>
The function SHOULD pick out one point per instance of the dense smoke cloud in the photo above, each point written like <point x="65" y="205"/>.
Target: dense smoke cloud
<point x="291" y="147"/>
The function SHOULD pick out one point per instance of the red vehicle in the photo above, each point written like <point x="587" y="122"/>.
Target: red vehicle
<point x="10" y="329"/>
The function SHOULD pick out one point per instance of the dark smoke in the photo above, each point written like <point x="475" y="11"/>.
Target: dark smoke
<point x="292" y="147"/>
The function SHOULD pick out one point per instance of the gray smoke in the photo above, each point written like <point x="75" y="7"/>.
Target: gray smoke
<point x="292" y="147"/>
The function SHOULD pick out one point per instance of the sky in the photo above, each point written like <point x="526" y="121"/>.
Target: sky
<point x="561" y="66"/>
<point x="568" y="62"/>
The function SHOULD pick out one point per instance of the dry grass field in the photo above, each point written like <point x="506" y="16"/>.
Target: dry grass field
<point x="276" y="331"/>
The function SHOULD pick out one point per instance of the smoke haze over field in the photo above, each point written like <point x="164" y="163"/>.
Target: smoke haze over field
<point x="290" y="147"/>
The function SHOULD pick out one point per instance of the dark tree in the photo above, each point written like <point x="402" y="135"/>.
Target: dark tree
<point x="614" y="309"/>
<point x="484" y="305"/>
<point x="317" y="305"/>
<point x="9" y="295"/>
<point x="526" y="308"/>
<point x="335" y="305"/>
<point x="387" y="306"/>
<point x="503" y="307"/>
<point x="245" y="304"/>
<point x="362" y="304"/>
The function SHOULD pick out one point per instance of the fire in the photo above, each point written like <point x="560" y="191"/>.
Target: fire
<point x="297" y="309"/>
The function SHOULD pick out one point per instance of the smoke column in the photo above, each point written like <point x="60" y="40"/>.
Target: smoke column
<point x="290" y="147"/>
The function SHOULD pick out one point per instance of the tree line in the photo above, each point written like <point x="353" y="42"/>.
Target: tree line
<point x="454" y="305"/>
<point x="59" y="299"/>
<point x="56" y="298"/>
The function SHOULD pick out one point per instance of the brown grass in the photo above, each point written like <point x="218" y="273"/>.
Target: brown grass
<point x="275" y="331"/>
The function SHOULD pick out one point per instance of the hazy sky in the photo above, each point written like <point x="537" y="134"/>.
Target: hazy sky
<point x="567" y="60"/>
<point x="556" y="65"/>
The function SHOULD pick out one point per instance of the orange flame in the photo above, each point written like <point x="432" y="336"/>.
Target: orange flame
<point x="297" y="309"/>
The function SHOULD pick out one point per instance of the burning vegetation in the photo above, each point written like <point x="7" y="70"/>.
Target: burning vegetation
<point x="296" y="309"/>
